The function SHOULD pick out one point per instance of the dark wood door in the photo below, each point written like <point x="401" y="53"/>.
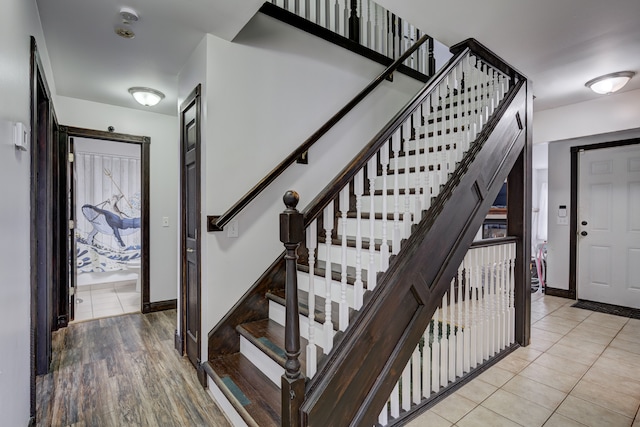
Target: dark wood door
<point x="190" y="225"/>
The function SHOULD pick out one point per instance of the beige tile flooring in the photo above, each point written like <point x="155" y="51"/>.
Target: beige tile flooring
<point x="581" y="369"/>
<point x="106" y="299"/>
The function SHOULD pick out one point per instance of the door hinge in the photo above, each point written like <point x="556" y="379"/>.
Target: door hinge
<point x="72" y="291"/>
<point x="71" y="157"/>
<point x="72" y="224"/>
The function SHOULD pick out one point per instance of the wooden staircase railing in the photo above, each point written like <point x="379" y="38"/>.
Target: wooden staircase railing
<point x="359" y="373"/>
<point x="376" y="250"/>
<point x="217" y="222"/>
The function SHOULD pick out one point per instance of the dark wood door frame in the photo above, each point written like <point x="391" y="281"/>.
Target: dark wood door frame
<point x="572" y="292"/>
<point x="43" y="248"/>
<point x="145" y="145"/>
<point x="181" y="337"/>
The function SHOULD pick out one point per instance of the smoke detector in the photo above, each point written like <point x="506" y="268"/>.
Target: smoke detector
<point x="128" y="15"/>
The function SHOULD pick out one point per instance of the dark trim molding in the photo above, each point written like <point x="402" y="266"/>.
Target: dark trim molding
<point x="145" y="160"/>
<point x="572" y="292"/>
<point x="152" y="307"/>
<point x="177" y="343"/>
<point x="202" y="375"/>
<point x="563" y="293"/>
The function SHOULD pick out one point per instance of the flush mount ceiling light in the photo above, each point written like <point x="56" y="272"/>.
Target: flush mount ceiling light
<point x="610" y="83"/>
<point x="146" y="96"/>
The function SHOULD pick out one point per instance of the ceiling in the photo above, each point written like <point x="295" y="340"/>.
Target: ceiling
<point x="559" y="44"/>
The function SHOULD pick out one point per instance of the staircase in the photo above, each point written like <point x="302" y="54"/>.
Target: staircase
<point x="374" y="272"/>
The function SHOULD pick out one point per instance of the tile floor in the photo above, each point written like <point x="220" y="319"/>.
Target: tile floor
<point x="581" y="369"/>
<point x="106" y="299"/>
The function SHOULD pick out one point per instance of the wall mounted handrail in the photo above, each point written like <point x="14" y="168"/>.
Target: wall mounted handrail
<point x="217" y="223"/>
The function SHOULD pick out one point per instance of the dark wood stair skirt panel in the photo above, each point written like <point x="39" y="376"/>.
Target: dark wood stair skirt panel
<point x="601" y="307"/>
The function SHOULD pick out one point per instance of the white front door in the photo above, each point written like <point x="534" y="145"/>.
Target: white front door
<point x="609" y="225"/>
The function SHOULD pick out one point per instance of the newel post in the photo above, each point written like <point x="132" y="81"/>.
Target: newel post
<point x="291" y="234"/>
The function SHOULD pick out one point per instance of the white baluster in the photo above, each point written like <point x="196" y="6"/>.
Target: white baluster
<point x="492" y="300"/>
<point x="383" y="418"/>
<point x="376" y="29"/>
<point x="318" y="21"/>
<point x="312" y="242"/>
<point x="418" y="197"/>
<point x="453" y="335"/>
<point x="406" y="387"/>
<point x="485" y="303"/>
<point x="444" y="344"/>
<point x="369" y="36"/>
<point x="426" y="363"/>
<point x="384" y="246"/>
<point x="512" y="310"/>
<point x="461" y="326"/>
<point x="307" y="10"/>
<point x="395" y="401"/>
<point x="336" y="14"/>
<point x="466" y="365"/>
<point x="343" y="314"/>
<point x="428" y="144"/>
<point x="327" y="14"/>
<point x="395" y="144"/>
<point x="415" y="375"/>
<point x="296" y="7"/>
<point x="358" y="186"/>
<point x="477" y="308"/>
<point x="328" y="325"/>
<point x="406" y="217"/>
<point x="346" y="13"/>
<point x="372" y="169"/>
<point x="435" y="354"/>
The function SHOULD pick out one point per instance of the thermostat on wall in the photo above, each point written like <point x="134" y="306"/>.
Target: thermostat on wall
<point x="21" y="136"/>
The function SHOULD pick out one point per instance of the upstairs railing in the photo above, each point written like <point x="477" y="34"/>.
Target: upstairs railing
<point x="368" y="24"/>
<point x="445" y="125"/>
<point x="217" y="222"/>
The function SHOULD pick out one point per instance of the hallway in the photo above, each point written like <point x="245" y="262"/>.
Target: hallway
<point x="123" y="371"/>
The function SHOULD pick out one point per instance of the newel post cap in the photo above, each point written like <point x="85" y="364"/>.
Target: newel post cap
<point x="291" y="221"/>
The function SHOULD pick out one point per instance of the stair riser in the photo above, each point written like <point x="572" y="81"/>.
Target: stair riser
<point x="277" y="314"/>
<point x="320" y="286"/>
<point x="224" y="404"/>
<point x="377" y="226"/>
<point x="437" y="176"/>
<point x="378" y="200"/>
<point x="336" y="256"/>
<point x="266" y="364"/>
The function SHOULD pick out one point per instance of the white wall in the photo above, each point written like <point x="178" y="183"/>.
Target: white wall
<point x="264" y="95"/>
<point x="610" y="113"/>
<point x="164" y="133"/>
<point x="609" y="118"/>
<point x="19" y="20"/>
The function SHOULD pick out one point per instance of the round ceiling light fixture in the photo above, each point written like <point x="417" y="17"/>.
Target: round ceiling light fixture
<point x="609" y="83"/>
<point x="146" y="96"/>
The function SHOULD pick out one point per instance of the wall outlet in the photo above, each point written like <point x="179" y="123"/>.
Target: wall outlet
<point x="165" y="221"/>
<point x="232" y="228"/>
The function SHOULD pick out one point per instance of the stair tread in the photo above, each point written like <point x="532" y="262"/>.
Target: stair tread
<point x="268" y="336"/>
<point x="303" y="306"/>
<point x="336" y="272"/>
<point x="248" y="389"/>
<point x="351" y="243"/>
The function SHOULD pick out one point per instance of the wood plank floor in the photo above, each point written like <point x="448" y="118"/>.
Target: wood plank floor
<point x="123" y="371"/>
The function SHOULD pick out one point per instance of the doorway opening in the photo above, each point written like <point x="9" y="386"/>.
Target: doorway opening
<point x="108" y="189"/>
<point x="107" y="229"/>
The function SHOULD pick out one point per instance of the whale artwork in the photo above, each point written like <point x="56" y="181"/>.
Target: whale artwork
<point x="107" y="222"/>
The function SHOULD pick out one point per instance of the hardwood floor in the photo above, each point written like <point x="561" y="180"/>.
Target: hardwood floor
<point x="123" y="371"/>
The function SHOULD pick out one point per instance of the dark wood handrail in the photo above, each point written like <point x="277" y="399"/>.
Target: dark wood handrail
<point x="217" y="223"/>
<point x="493" y="242"/>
